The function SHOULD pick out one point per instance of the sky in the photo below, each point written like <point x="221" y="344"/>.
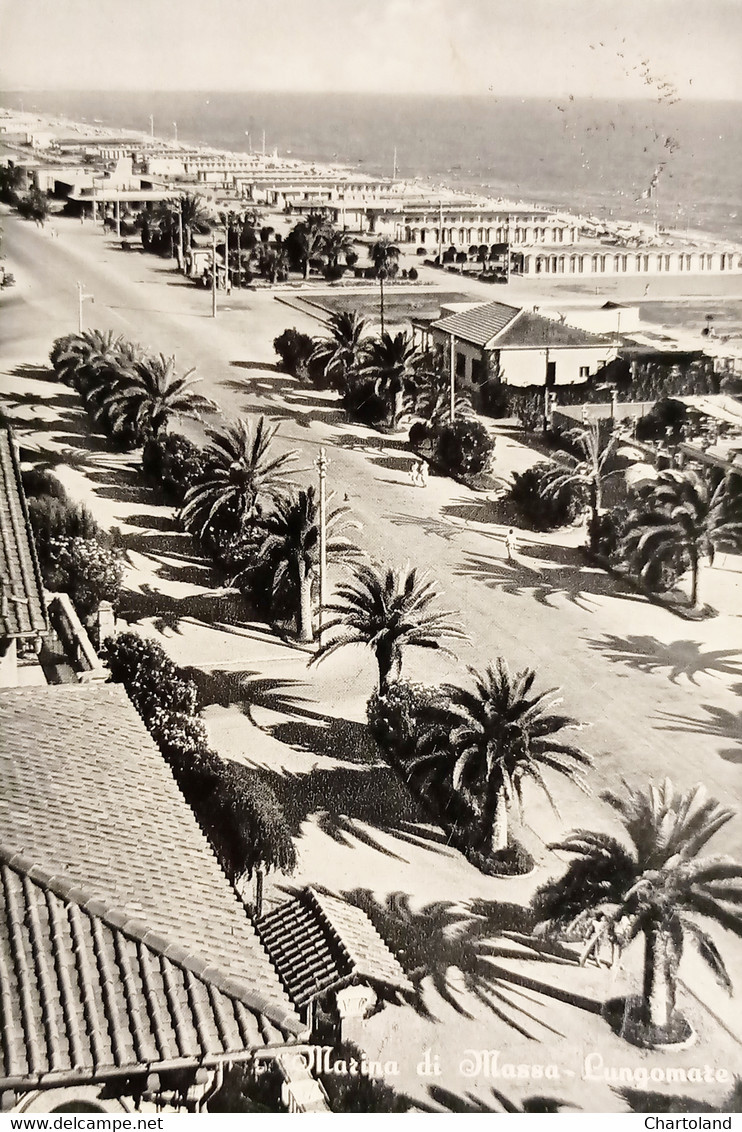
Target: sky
<point x="538" y="48"/>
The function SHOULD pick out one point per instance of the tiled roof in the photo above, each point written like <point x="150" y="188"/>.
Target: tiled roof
<point x="478" y="325"/>
<point x="23" y="612"/>
<point x="82" y="1000"/>
<point x="88" y="803"/>
<point x="533" y="329"/>
<point x="320" y="943"/>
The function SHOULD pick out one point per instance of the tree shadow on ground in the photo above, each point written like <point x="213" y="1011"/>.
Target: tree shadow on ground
<point x="352" y="804"/>
<point x="214" y="609"/>
<point x="330" y="736"/>
<point x="576" y="583"/>
<point x="395" y="463"/>
<point x="35" y="373"/>
<point x="456" y="948"/>
<point x="681" y="657"/>
<point x="641" y="1100"/>
<point x="270" y="367"/>
<point x="427" y="525"/>
<point x="371" y="441"/>
<point x="59" y="400"/>
<point x="445" y="1100"/>
<point x="721" y="724"/>
<point x="470" y="510"/>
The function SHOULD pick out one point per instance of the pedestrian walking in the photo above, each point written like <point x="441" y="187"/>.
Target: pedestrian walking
<point x="511" y="544"/>
<point x="423" y="473"/>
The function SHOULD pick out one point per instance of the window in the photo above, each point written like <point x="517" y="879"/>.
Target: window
<point x="460" y="364"/>
<point x="478" y="372"/>
<point x="584" y="371"/>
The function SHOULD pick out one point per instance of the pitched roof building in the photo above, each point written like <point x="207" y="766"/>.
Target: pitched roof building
<point x="496" y="341"/>
<point x="123" y="947"/>
<point x="321" y="944"/>
<point x="23" y="613"/>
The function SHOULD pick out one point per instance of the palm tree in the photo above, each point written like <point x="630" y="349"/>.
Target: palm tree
<point x="390" y="365"/>
<point x="148" y="394"/>
<point x="336" y="243"/>
<point x="680" y="519"/>
<point x="78" y="358"/>
<point x="388" y="610"/>
<point x="491" y="739"/>
<point x="292" y="545"/>
<point x="585" y="473"/>
<point x="385" y="258"/>
<point x="657" y="886"/>
<point x="306" y="241"/>
<point x="195" y="216"/>
<point x="344" y="349"/>
<point x="239" y="472"/>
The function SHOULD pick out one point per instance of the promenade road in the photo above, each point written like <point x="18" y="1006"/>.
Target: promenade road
<point x="661" y="695"/>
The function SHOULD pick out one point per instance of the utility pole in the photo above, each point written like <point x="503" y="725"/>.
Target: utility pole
<point x="181" y="250"/>
<point x="81" y="296"/>
<point x="175" y="130"/>
<point x="151" y="125"/>
<point x="263" y="143"/>
<point x="321" y="463"/>
<point x="213" y="274"/>
<point x="118" y="217"/>
<point x="452" y="381"/>
<point x="226" y="257"/>
<point x="440" y="233"/>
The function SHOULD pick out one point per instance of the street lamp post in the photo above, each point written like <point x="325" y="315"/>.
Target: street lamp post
<point x="321" y="463"/>
<point x="452" y="381"/>
<point x="213" y="274"/>
<point x="81" y="296"/>
<point x="180" y="235"/>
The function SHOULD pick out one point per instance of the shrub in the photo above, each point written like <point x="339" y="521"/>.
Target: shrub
<point x="395" y="718"/>
<point x="172" y="463"/>
<point x="665" y="414"/>
<point x="605" y="532"/>
<point x="247" y="822"/>
<point x="38" y="482"/>
<point x="53" y="518"/>
<point x="152" y="680"/>
<point x="413" y="272"/>
<point x="528" y="408"/>
<point x="362" y="403"/>
<point x="334" y="272"/>
<point x="544" y="512"/>
<point x="731" y="384"/>
<point x="238" y="810"/>
<point x="89" y="572"/>
<point x="494" y="400"/>
<point x="421" y="433"/>
<point x="293" y="348"/>
<point x="464" y="447"/>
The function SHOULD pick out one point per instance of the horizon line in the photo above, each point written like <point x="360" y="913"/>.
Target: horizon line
<point x="363" y="93"/>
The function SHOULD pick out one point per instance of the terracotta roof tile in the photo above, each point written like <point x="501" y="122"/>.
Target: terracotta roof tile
<point x="87" y="800"/>
<point x="319" y="943"/>
<point x="479" y="324"/>
<point x="23" y="610"/>
<point x="80" y="999"/>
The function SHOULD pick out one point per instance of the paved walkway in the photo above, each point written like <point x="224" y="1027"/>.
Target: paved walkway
<point x="661" y="694"/>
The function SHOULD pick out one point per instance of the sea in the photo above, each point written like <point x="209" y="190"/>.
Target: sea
<point x="674" y="162"/>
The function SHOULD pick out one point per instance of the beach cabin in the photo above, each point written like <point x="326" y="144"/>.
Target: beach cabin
<point x="515" y="346"/>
